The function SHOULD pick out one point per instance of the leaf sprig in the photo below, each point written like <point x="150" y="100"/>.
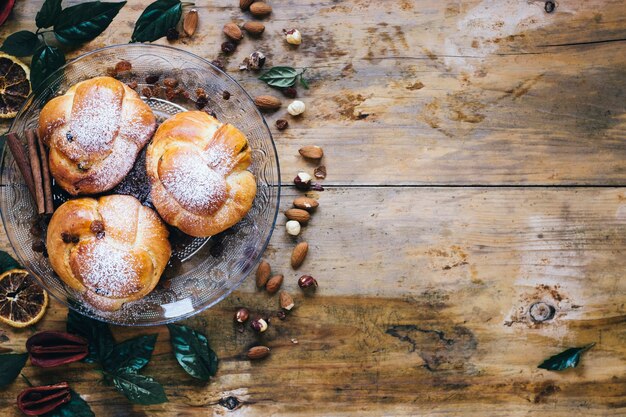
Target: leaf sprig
<point x="569" y="358"/>
<point x="284" y="77"/>
<point x="156" y="20"/>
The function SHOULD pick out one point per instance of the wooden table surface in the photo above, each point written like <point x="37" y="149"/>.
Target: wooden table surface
<point x="476" y="162"/>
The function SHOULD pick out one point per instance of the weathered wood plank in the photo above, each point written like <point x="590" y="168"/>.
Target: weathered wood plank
<point x="422" y="309"/>
<point x="446" y="92"/>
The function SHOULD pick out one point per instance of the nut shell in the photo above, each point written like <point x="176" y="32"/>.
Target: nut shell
<point x="259" y="8"/>
<point x="299" y="215"/>
<point x="232" y="31"/>
<point x="267" y="103"/>
<point x="258" y="352"/>
<point x="311" y="152"/>
<point x="306" y="203"/>
<point x="299" y="254"/>
<point x="286" y="301"/>
<point x="274" y="283"/>
<point x="254" y="28"/>
<point x="263" y="273"/>
<point x="190" y="22"/>
<point x="245" y="4"/>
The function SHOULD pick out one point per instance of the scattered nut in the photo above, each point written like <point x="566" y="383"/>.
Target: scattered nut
<point x="305" y="203"/>
<point x="302" y="181"/>
<point x="274" y="284"/>
<point x="293" y="227"/>
<point x="286" y="301"/>
<point x="320" y="172"/>
<point x="311" y="152"/>
<point x="296" y="108"/>
<point x="258" y="325"/>
<point x="267" y="103"/>
<point x="298" y="254"/>
<point x="190" y="22"/>
<point x="232" y="31"/>
<point x="254" y="28"/>
<point x="245" y="4"/>
<point x="254" y="62"/>
<point x="258" y="352"/>
<point x="307" y="282"/>
<point x="282" y="124"/>
<point x="260" y="9"/>
<point x="241" y="316"/>
<point x="299" y="215"/>
<point x="263" y="273"/>
<point x="293" y="36"/>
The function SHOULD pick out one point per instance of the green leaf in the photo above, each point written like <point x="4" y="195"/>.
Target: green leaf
<point x="156" y="19"/>
<point x="85" y="21"/>
<point x="46" y="60"/>
<point x="139" y="389"/>
<point x="7" y="262"/>
<point x="49" y="14"/>
<point x="77" y="407"/>
<point x="131" y="355"/>
<point x="567" y="359"/>
<point x="10" y="366"/>
<point x="98" y="334"/>
<point x="21" y="43"/>
<point x="280" y="77"/>
<point x="192" y="352"/>
<point x="304" y="82"/>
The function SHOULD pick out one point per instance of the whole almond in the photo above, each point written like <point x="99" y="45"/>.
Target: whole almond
<point x="258" y="8"/>
<point x="267" y="102"/>
<point x="258" y="352"/>
<point x="254" y="28"/>
<point x="190" y="22"/>
<point x="305" y="203"/>
<point x="286" y="301"/>
<point x="232" y="31"/>
<point x="311" y="152"/>
<point x="298" y="254"/>
<point x="245" y="4"/>
<point x="299" y="215"/>
<point x="263" y="273"/>
<point x="274" y="283"/>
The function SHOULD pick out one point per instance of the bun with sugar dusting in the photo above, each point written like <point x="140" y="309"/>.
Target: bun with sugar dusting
<point x="112" y="250"/>
<point x="95" y="132"/>
<point x="197" y="169"/>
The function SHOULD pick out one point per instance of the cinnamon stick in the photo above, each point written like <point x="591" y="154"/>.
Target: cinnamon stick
<point x="45" y="170"/>
<point x="35" y="167"/>
<point x="17" y="149"/>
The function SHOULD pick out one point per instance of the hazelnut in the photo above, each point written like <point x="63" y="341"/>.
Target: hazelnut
<point x="258" y="325"/>
<point x="293" y="227"/>
<point x="307" y="282"/>
<point x="255" y="61"/>
<point x="302" y="181"/>
<point x="241" y="316"/>
<point x="293" y="36"/>
<point x="296" y="108"/>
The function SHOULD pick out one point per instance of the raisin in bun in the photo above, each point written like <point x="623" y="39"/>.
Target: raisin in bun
<point x="112" y="250"/>
<point x="94" y="132"/>
<point x="197" y="169"/>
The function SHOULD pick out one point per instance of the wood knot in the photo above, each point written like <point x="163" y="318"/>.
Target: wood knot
<point x="541" y="311"/>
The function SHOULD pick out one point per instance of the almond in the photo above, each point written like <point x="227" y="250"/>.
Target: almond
<point x="258" y="352"/>
<point x="232" y="31"/>
<point x="305" y="203"/>
<point x="258" y="8"/>
<point x="263" y="273"/>
<point x="274" y="284"/>
<point x="267" y="102"/>
<point x="298" y="254"/>
<point x="286" y="301"/>
<point x="311" y="152"/>
<point x="190" y="22"/>
<point x="245" y="4"/>
<point x="254" y="28"/>
<point x="299" y="215"/>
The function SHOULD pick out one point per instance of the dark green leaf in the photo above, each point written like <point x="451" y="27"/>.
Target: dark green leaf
<point x="46" y="60"/>
<point x="48" y="14"/>
<point x="192" y="352"/>
<point x="139" y="389"/>
<point x="10" y="366"/>
<point x="77" y="407"/>
<point x="156" y="19"/>
<point x="20" y="43"/>
<point x="304" y="82"/>
<point x="7" y="262"/>
<point x="280" y="77"/>
<point x="131" y="355"/>
<point x="96" y="332"/>
<point x="85" y="21"/>
<point x="567" y="359"/>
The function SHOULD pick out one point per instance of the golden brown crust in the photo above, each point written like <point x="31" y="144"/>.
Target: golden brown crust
<point x="95" y="132"/>
<point x="197" y="169"/>
<point x="123" y="264"/>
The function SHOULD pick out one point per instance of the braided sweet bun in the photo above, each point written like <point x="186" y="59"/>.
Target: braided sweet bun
<point x="112" y="250"/>
<point x="95" y="132"/>
<point x="197" y="169"/>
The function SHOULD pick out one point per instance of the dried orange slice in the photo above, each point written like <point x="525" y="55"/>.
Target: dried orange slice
<point x="14" y="85"/>
<point x="22" y="301"/>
